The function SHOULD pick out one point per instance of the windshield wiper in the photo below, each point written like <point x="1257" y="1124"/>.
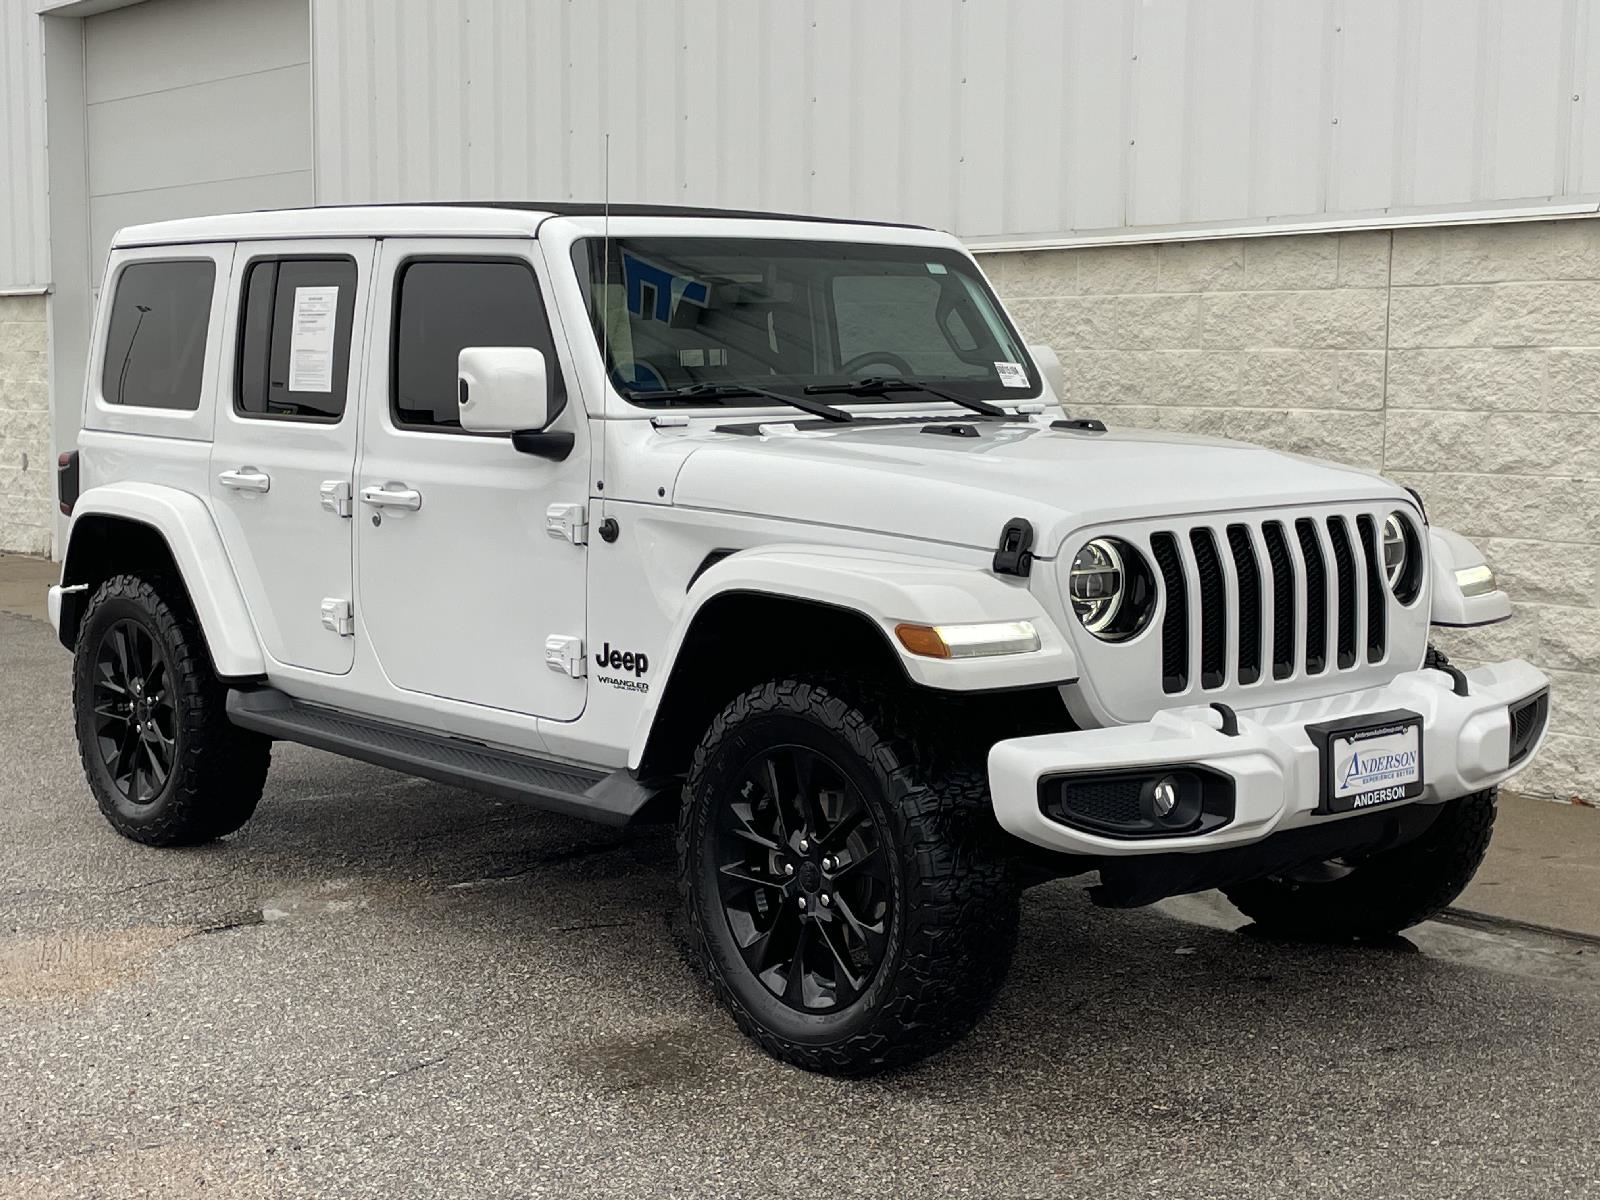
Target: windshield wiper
<point x="721" y="391"/>
<point x="879" y="385"/>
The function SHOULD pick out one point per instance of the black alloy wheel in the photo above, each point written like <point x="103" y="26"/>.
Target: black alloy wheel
<point x="803" y="877"/>
<point x="135" y="712"/>
<point x="844" y="884"/>
<point x="166" y="765"/>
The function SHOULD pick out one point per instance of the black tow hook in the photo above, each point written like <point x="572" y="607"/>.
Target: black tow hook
<point x="1230" y="719"/>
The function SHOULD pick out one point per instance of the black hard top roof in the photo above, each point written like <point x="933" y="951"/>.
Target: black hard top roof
<point x="592" y="208"/>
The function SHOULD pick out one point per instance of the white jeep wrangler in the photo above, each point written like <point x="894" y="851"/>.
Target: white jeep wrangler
<point x="773" y="527"/>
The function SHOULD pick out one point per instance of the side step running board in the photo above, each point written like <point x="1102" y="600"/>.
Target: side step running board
<point x="612" y="799"/>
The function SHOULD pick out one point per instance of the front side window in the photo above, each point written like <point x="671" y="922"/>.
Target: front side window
<point x="156" y="342"/>
<point x="444" y="306"/>
<point x="674" y="313"/>
<point x="294" y="338"/>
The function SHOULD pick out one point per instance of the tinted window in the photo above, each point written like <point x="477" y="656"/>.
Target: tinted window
<point x="294" y="339"/>
<point x="674" y="312"/>
<point x="156" y="347"/>
<point x="442" y="307"/>
<point x="903" y="312"/>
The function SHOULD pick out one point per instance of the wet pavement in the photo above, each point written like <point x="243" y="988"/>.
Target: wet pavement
<point x="383" y="987"/>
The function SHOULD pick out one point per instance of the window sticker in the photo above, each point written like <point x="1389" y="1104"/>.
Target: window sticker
<point x="1011" y="374"/>
<point x="311" y="341"/>
<point x="937" y="269"/>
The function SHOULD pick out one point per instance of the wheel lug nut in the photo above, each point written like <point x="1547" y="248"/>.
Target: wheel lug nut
<point x="788" y="868"/>
<point x="828" y="863"/>
<point x="802" y="903"/>
<point x="826" y="899"/>
<point x="804" y="845"/>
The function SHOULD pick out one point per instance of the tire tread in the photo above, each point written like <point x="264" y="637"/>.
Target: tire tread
<point x="222" y="769"/>
<point x="960" y="904"/>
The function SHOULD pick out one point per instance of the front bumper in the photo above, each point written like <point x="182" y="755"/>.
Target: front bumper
<point x="1274" y="766"/>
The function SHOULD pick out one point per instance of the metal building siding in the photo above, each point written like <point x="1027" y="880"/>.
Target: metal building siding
<point x="1004" y="120"/>
<point x="195" y="107"/>
<point x="24" y="229"/>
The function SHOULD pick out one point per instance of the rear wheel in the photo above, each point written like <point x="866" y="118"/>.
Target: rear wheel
<point x="165" y="764"/>
<point x="843" y="886"/>
<point x="1377" y="896"/>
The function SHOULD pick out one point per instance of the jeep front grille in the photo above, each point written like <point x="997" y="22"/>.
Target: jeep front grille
<point x="1216" y="629"/>
<point x="1253" y="607"/>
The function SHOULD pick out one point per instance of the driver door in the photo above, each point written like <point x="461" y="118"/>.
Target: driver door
<point x="458" y="583"/>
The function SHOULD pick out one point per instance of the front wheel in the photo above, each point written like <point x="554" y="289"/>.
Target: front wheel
<point x="1378" y="896"/>
<point x="843" y="886"/>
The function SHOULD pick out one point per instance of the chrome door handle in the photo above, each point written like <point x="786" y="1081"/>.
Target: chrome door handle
<point x="246" y="479"/>
<point x="392" y="495"/>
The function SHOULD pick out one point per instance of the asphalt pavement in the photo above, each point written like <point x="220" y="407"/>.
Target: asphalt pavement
<point x="384" y="987"/>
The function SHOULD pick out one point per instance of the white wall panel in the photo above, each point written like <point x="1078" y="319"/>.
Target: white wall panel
<point x="1005" y="120"/>
<point x="24" y="229"/>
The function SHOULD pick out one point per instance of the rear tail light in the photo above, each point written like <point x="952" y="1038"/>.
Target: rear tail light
<point x="67" y="481"/>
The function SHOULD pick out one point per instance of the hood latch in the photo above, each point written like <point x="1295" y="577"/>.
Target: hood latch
<point x="1014" y="554"/>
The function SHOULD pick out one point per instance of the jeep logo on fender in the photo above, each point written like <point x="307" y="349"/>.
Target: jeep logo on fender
<point x="619" y="660"/>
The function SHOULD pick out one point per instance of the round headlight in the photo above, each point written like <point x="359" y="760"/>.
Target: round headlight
<point x="1111" y="589"/>
<point x="1394" y="548"/>
<point x="1402" y="557"/>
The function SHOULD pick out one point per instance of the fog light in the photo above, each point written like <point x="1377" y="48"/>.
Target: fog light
<point x="1164" y="796"/>
<point x="1171" y="803"/>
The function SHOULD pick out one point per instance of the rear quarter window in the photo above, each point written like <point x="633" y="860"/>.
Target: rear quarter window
<point x="156" y="342"/>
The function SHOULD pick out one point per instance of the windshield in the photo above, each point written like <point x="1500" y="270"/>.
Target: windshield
<point x="726" y="313"/>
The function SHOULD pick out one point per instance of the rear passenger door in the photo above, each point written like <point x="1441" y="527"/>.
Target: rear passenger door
<point x="284" y="443"/>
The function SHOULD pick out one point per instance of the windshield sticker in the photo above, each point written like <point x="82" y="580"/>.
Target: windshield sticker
<point x="1011" y="374"/>
<point x="937" y="269"/>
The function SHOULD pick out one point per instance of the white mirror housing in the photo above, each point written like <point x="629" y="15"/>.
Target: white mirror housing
<point x="1464" y="588"/>
<point x="503" y="389"/>
<point x="1049" y="364"/>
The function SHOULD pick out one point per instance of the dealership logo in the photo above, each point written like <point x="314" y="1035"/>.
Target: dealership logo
<point x="1377" y="768"/>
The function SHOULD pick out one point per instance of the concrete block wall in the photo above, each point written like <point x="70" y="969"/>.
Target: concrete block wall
<point x="1464" y="361"/>
<point x="27" y="474"/>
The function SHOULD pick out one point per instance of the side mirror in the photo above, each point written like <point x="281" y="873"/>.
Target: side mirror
<point x="503" y="389"/>
<point x="1044" y="357"/>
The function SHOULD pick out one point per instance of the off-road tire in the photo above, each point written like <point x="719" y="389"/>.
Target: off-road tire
<point x="1383" y="894"/>
<point x="218" y="769"/>
<point x="955" y="913"/>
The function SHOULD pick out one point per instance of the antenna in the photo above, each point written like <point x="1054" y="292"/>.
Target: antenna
<point x="605" y="262"/>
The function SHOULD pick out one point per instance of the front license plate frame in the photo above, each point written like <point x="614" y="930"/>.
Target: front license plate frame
<point x="1396" y="732"/>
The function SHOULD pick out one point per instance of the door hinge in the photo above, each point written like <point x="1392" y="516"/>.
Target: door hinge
<point x="569" y="521"/>
<point x="339" y="617"/>
<point x="564" y="653"/>
<point x="336" y="497"/>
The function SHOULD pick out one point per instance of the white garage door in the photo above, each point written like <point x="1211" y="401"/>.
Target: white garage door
<point x="196" y="106"/>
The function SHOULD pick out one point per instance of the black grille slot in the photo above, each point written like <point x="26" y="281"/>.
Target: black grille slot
<point x="1527" y="723"/>
<point x="1282" y="600"/>
<point x="1316" y="597"/>
<point x="1213" y="609"/>
<point x="1175" y="626"/>
<point x="1112" y="803"/>
<point x="1344" y="563"/>
<point x="1249" y="573"/>
<point x="1377" y="631"/>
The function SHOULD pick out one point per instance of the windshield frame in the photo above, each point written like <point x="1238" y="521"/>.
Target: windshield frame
<point x="953" y="257"/>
